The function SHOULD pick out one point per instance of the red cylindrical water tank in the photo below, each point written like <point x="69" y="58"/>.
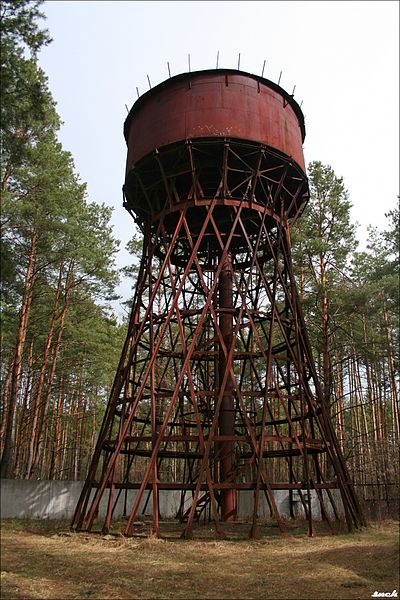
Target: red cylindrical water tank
<point x="220" y="135"/>
<point x="218" y="103"/>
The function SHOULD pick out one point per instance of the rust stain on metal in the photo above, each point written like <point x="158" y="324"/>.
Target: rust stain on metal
<point x="248" y="108"/>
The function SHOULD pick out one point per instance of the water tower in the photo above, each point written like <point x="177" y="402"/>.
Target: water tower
<point x="216" y="396"/>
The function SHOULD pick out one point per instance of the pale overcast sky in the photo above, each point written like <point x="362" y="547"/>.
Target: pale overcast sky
<point x="342" y="56"/>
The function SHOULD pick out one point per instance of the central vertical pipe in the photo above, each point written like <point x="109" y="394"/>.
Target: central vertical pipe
<point x="226" y="419"/>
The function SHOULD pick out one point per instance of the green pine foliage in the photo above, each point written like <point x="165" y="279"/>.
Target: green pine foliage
<point x="351" y="304"/>
<point x="60" y="338"/>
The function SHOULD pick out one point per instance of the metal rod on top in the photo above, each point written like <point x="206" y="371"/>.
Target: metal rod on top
<point x="262" y="72"/>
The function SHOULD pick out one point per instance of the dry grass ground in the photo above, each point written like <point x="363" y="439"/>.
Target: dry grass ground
<point x="43" y="560"/>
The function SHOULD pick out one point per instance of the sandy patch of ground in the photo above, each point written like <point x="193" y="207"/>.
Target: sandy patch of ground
<point x="44" y="560"/>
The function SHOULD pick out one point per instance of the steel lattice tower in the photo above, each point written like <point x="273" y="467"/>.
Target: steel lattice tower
<point x="216" y="390"/>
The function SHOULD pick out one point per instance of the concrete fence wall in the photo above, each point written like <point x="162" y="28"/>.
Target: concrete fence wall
<point x="22" y="499"/>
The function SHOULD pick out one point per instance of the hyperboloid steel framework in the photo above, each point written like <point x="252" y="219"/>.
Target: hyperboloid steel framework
<point x="216" y="394"/>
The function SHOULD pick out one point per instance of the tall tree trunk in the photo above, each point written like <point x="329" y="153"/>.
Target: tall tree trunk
<point x="4" y="402"/>
<point x="392" y="373"/>
<point x="7" y="461"/>
<point x="40" y="440"/>
<point x="367" y="471"/>
<point x="6" y="177"/>
<point x="78" y="418"/>
<point x="340" y="425"/>
<point x="82" y="441"/>
<point x="56" y="447"/>
<point x="93" y="432"/>
<point x="38" y="400"/>
<point x="326" y="363"/>
<point x="22" y="424"/>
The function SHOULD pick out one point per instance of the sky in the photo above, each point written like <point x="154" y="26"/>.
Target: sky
<point x="342" y="56"/>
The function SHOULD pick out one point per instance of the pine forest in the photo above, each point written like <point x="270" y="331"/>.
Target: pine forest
<point x="61" y="339"/>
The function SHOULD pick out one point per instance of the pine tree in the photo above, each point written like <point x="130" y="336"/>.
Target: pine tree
<point x="58" y="253"/>
<point x="324" y="239"/>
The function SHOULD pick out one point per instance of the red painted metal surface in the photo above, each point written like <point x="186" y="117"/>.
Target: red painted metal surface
<point x="227" y="413"/>
<point x="218" y="104"/>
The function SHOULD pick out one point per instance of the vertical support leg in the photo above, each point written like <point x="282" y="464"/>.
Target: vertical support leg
<point x="227" y="413"/>
<point x="154" y="424"/>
